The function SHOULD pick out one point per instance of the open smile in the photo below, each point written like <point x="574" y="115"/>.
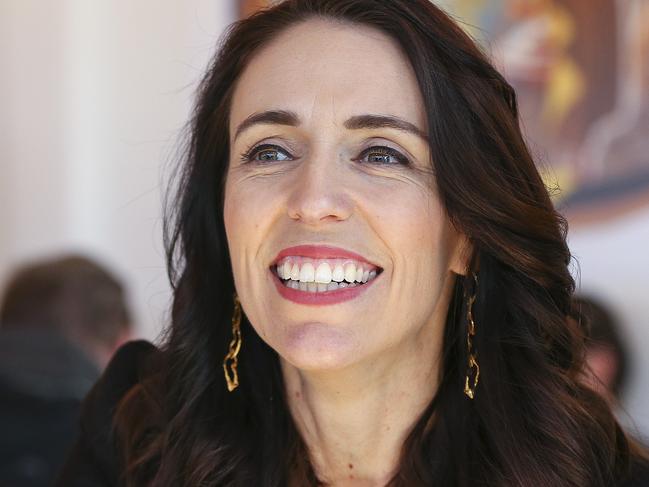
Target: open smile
<point x="320" y="275"/>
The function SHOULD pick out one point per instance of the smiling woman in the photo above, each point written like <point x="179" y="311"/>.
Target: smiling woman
<point x="362" y="234"/>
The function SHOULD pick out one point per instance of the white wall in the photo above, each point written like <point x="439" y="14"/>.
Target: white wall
<point x="93" y="94"/>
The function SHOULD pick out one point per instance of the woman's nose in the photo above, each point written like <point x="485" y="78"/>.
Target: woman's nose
<point x="319" y="192"/>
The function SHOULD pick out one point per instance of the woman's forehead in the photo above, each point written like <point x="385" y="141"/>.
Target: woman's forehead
<point x="328" y="70"/>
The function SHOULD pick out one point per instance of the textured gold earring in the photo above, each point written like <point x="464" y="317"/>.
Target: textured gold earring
<point x="473" y="369"/>
<point x="231" y="359"/>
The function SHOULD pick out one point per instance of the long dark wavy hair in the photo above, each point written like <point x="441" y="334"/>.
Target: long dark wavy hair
<point x="532" y="422"/>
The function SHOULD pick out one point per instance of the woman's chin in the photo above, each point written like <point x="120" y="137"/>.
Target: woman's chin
<point x="319" y="347"/>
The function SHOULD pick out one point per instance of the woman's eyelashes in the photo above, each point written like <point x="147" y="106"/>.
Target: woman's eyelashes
<point x="265" y="153"/>
<point x="375" y="155"/>
<point x="382" y="156"/>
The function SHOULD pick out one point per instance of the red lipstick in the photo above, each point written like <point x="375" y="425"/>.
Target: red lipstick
<point x="323" y="298"/>
<point x="321" y="252"/>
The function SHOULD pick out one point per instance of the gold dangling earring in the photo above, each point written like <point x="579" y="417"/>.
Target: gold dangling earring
<point x="231" y="359"/>
<point x="473" y="369"/>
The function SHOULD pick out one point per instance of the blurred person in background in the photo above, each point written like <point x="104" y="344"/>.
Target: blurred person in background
<point x="60" y="322"/>
<point x="607" y="358"/>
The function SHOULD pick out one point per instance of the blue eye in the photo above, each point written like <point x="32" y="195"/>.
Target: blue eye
<point x="382" y="155"/>
<point x="266" y="153"/>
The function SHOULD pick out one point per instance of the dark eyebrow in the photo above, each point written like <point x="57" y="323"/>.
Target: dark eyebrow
<point x="384" y="121"/>
<point x="276" y="117"/>
<point x="284" y="117"/>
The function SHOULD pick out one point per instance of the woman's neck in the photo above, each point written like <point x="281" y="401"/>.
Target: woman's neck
<point x="355" y="421"/>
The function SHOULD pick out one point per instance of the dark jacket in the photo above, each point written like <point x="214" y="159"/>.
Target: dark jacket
<point x="43" y="380"/>
<point x="94" y="462"/>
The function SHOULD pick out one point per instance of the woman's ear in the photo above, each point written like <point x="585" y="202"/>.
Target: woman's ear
<point x="461" y="255"/>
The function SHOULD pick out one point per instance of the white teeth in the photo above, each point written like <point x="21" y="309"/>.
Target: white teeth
<point x="307" y="273"/>
<point x="286" y="270"/>
<point x="350" y="272"/>
<point x="323" y="273"/>
<point x="338" y="273"/>
<point x="359" y="275"/>
<point x="295" y="272"/>
<point x="313" y="287"/>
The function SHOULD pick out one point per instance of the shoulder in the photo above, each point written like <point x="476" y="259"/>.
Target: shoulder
<point x="123" y="372"/>
<point x="639" y="476"/>
<point x="94" y="459"/>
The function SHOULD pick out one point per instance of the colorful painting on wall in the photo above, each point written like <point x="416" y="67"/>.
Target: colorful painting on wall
<point x="581" y="71"/>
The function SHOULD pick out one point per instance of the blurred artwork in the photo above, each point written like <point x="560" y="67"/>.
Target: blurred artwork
<point x="581" y="72"/>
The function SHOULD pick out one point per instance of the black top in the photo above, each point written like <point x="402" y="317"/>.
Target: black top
<point x="94" y="461"/>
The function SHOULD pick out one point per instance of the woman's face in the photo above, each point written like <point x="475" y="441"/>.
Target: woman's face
<point x="329" y="185"/>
